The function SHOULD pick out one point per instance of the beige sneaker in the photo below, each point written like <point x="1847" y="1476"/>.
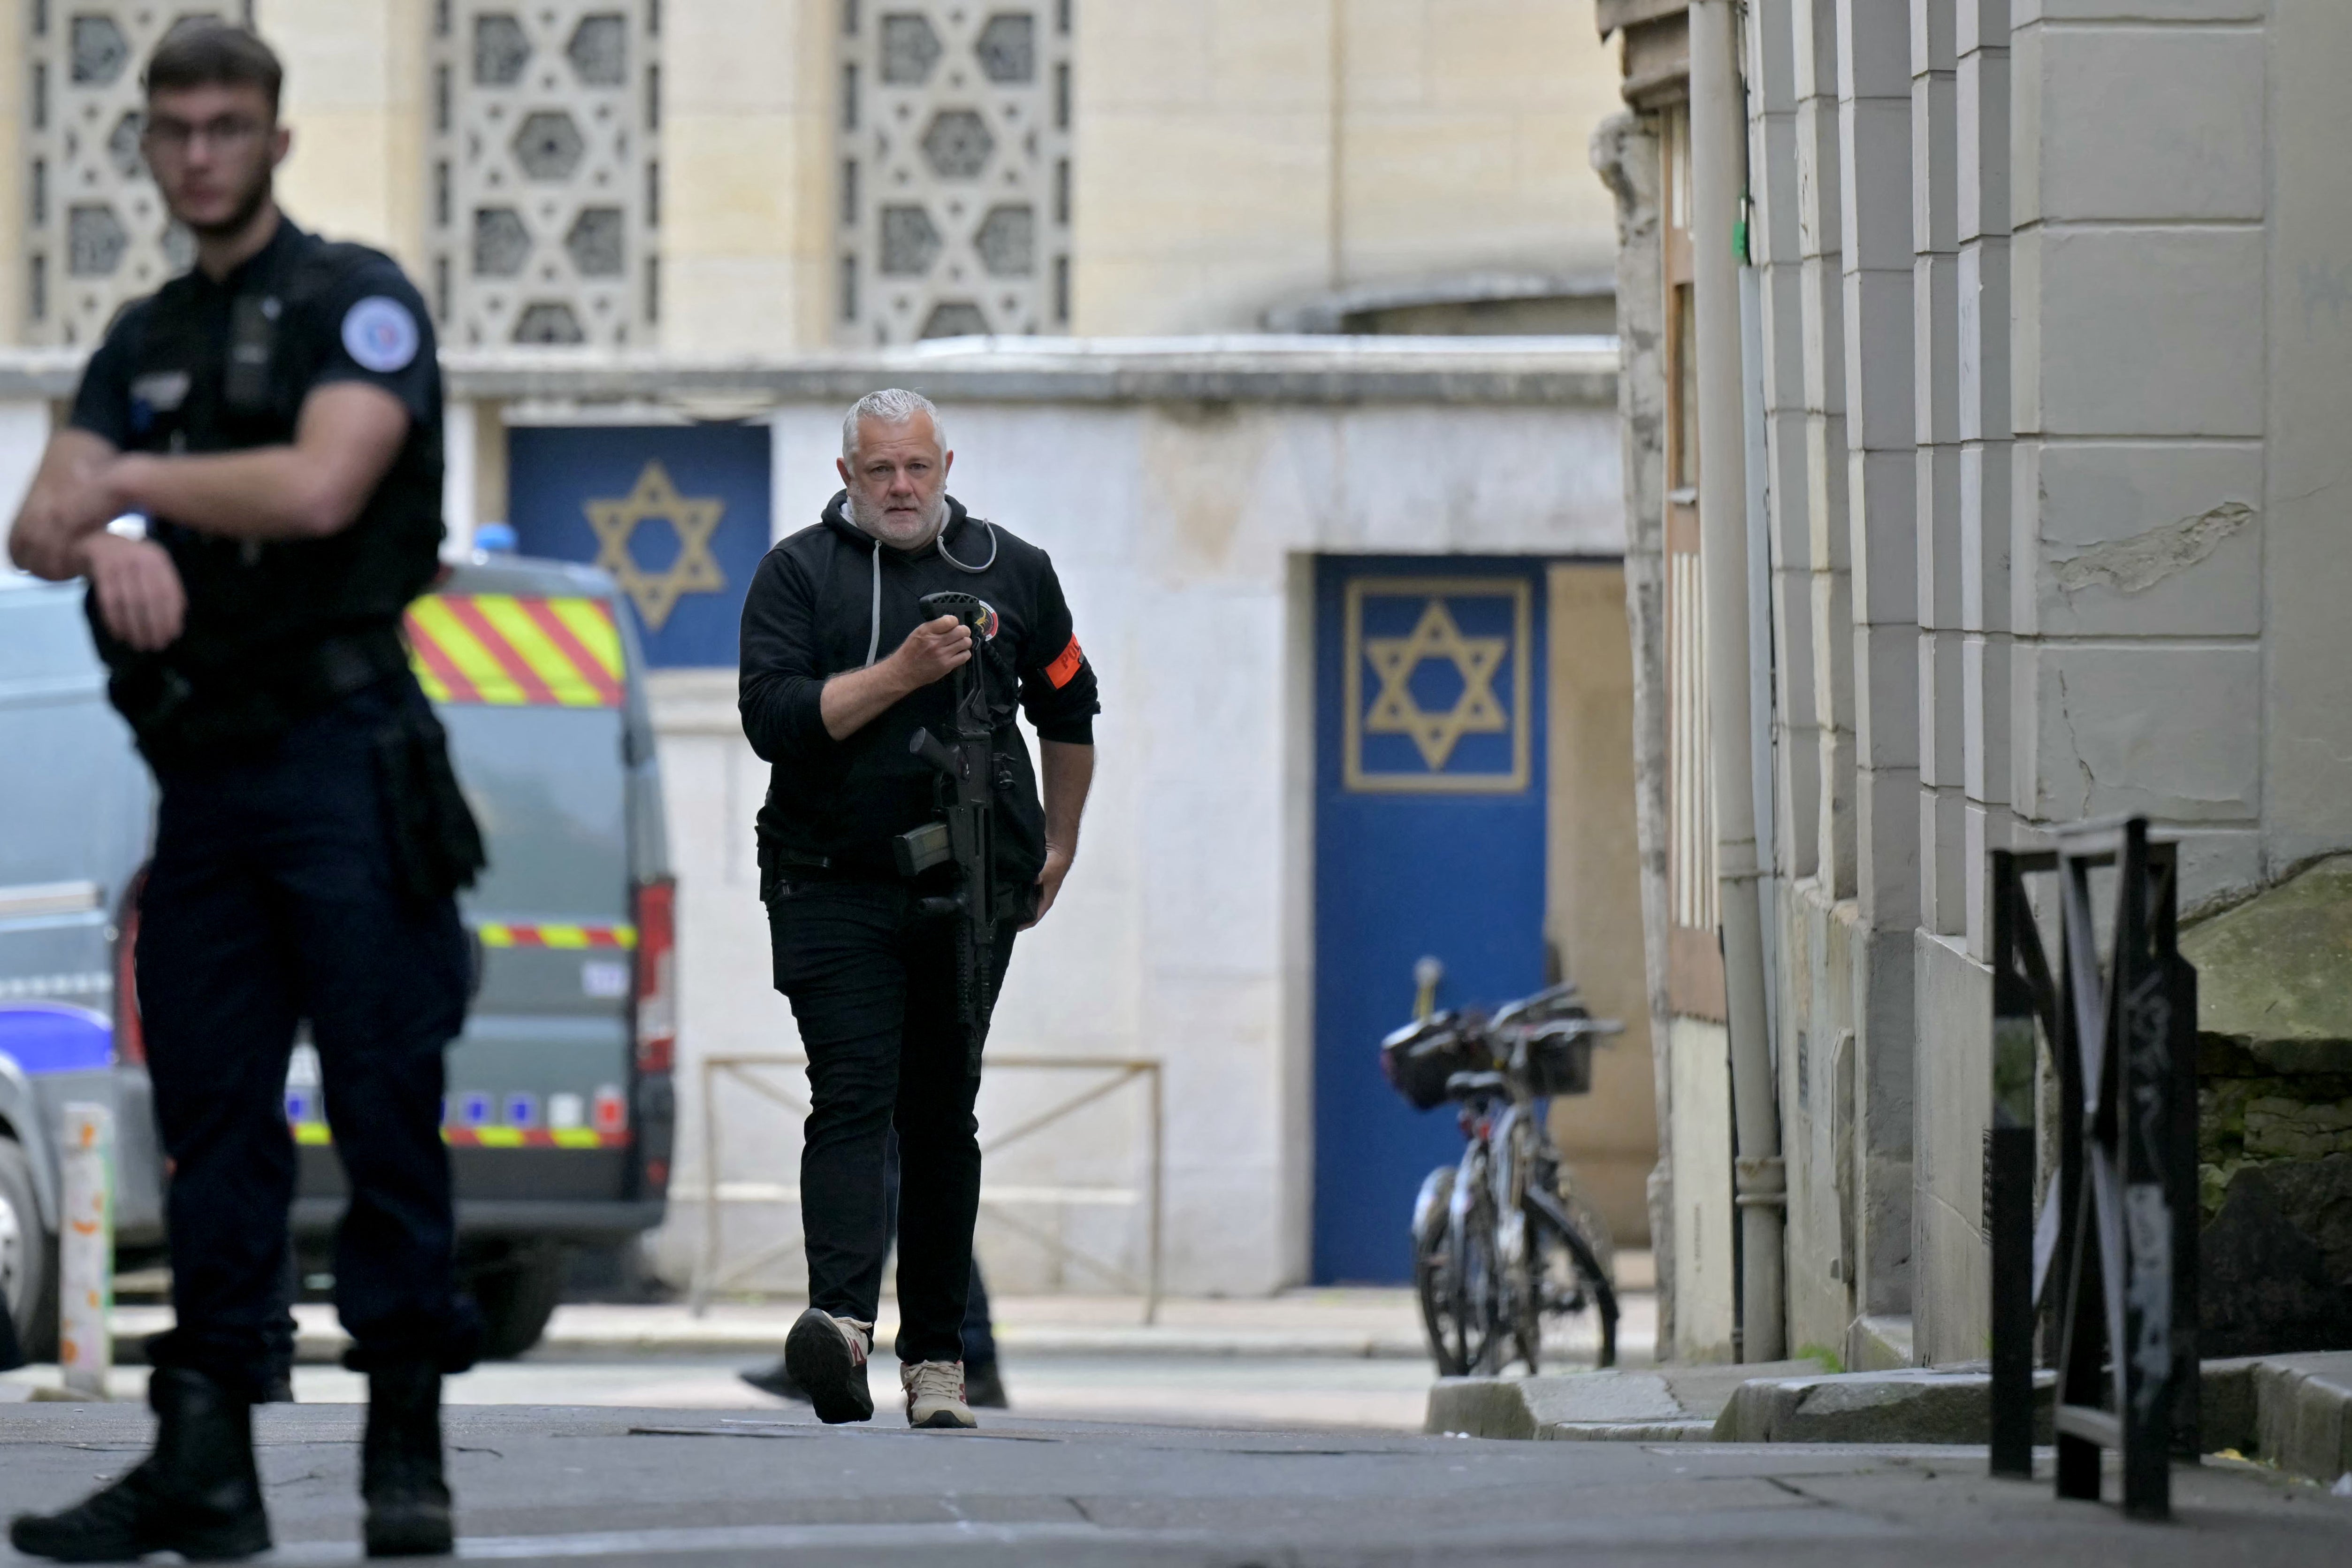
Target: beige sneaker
<point x="827" y="1356"/>
<point x="935" y="1395"/>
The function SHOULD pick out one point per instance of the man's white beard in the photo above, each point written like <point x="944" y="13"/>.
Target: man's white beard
<point x="891" y="531"/>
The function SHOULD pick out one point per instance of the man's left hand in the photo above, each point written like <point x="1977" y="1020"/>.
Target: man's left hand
<point x="60" y="516"/>
<point x="140" y="594"/>
<point x="1049" y="881"/>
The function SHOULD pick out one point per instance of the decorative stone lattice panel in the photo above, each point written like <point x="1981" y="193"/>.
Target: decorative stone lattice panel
<point x="954" y="168"/>
<point x="97" y="234"/>
<point x="544" y="186"/>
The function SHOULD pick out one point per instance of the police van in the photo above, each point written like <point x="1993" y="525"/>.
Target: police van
<point x="560" y="1108"/>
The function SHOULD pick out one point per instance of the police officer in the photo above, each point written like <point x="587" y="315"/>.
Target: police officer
<point x="274" y="416"/>
<point x="841" y="666"/>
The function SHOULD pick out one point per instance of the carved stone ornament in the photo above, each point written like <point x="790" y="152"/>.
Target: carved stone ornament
<point x="544" y="144"/>
<point x="97" y="236"/>
<point x="953" y="174"/>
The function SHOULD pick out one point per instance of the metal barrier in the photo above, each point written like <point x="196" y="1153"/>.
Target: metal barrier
<point x="749" y="1070"/>
<point x="2119" y="1218"/>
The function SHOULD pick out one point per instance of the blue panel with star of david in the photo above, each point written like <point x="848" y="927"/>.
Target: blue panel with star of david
<point x="679" y="514"/>
<point x="1457" y="669"/>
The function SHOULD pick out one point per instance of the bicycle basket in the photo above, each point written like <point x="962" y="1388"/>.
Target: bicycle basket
<point x="1560" y="1058"/>
<point x="1418" y="1058"/>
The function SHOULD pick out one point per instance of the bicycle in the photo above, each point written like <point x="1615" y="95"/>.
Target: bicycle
<point x="1503" y="1243"/>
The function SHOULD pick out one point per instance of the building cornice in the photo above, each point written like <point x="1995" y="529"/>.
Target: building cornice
<point x="1578" y="372"/>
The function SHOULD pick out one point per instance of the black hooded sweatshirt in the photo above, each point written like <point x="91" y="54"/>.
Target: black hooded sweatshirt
<point x="832" y="598"/>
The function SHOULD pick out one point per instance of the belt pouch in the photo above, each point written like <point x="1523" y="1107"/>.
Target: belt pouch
<point x="435" y="846"/>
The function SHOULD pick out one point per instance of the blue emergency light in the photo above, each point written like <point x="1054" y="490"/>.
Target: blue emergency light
<point x="45" y="1037"/>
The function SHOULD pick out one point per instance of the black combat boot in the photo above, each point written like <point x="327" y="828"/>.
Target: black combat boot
<point x="197" y="1494"/>
<point x="400" y="1464"/>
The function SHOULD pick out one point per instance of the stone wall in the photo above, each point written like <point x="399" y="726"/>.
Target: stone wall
<point x="2275" y="1115"/>
<point x="2052" y="320"/>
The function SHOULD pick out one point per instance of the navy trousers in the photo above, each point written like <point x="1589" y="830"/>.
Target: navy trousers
<point x="872" y="986"/>
<point x="272" y="899"/>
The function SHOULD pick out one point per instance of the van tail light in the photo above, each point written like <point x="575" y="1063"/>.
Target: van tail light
<point x="656" y="1012"/>
<point x="130" y="1033"/>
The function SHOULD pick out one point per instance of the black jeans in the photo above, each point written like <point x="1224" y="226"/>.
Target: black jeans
<point x="271" y="899"/>
<point x="873" y="988"/>
<point x="979" y="1332"/>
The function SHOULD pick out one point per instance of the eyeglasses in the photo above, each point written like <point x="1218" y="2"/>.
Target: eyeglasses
<point x="227" y="133"/>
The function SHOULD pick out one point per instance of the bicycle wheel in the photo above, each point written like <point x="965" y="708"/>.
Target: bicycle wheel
<point x="1579" y="1300"/>
<point x="1478" y="1308"/>
<point x="1433" y="1272"/>
<point x="1521" y="1246"/>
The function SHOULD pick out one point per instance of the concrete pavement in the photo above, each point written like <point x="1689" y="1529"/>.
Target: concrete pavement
<point x="1308" y="1358"/>
<point x="668" y="1485"/>
<point x="1332" y="1321"/>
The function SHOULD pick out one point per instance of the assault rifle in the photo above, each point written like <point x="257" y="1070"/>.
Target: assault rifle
<point x="968" y="779"/>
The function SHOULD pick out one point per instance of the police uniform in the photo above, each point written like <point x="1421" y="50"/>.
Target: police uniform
<point x="309" y="838"/>
<point x="872" y="980"/>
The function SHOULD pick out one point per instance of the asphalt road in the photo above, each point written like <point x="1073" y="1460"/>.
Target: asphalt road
<point x="702" y="1487"/>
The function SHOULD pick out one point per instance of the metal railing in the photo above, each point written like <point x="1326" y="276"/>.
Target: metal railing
<point x="752" y="1072"/>
<point x="2114" y="1253"/>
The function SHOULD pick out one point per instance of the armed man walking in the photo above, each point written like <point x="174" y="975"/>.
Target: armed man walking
<point x="884" y="649"/>
<point x="274" y="416"/>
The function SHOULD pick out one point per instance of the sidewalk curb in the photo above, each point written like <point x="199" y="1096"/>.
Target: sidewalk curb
<point x="1917" y="1404"/>
<point x="2303" y="1412"/>
<point x="1649" y="1404"/>
<point x="2291" y="1411"/>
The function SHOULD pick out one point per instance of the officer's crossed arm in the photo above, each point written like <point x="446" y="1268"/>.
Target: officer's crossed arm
<point x="345" y="440"/>
<point x="60" y="533"/>
<point x="63" y="508"/>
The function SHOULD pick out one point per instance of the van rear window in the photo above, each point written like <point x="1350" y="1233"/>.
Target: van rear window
<point x="549" y="790"/>
<point x="516" y="651"/>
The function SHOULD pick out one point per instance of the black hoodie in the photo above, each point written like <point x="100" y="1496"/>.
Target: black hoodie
<point x="832" y="598"/>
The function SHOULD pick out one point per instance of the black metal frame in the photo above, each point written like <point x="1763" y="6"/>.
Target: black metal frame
<point x="2120" y="1218"/>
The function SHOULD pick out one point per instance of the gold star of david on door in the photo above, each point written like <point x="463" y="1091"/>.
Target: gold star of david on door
<point x="1437" y="636"/>
<point x="695" y="519"/>
<point x="1396" y="711"/>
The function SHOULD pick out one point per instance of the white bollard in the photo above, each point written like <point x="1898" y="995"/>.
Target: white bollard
<point x="86" y="1251"/>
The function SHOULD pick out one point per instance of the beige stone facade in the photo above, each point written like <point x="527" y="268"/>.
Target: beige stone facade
<point x="1237" y="157"/>
<point x="1229" y="159"/>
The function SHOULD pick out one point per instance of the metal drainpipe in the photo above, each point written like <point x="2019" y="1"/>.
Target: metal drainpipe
<point x="1718" y="148"/>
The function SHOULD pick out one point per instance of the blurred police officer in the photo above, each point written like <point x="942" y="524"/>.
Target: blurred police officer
<point x="274" y="416"/>
<point x="841" y="666"/>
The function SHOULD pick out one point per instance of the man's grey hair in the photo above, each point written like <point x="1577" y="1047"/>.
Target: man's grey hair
<point x="892" y="406"/>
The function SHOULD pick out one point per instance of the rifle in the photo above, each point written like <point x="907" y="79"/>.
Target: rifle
<point x="966" y="831"/>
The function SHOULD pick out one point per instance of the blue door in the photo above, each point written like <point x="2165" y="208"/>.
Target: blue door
<point x="1429" y="842"/>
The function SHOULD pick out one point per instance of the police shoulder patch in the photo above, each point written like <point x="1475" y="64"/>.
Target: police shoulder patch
<point x="380" y="334"/>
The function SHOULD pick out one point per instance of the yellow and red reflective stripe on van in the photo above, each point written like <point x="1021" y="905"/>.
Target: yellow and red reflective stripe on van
<point x="509" y="934"/>
<point x="315" y="1135"/>
<point x="516" y="651"/>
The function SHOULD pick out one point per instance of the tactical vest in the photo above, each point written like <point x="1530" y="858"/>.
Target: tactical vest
<point x="276" y="629"/>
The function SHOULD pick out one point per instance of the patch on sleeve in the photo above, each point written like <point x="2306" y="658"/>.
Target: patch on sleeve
<point x="1066" y="666"/>
<point x="381" y="334"/>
